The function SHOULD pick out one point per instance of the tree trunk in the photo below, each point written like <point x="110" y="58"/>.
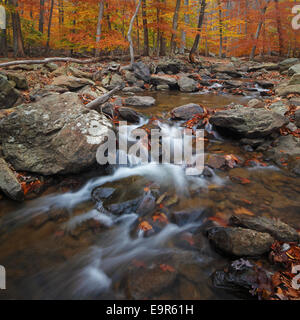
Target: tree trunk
<point x="279" y="29"/>
<point x="200" y="23"/>
<point x="99" y="27"/>
<point x="18" y="43"/>
<point x="163" y="44"/>
<point x="42" y="18"/>
<point x="259" y="27"/>
<point x="175" y="26"/>
<point x="145" y="26"/>
<point x="3" y="34"/>
<point x="186" y="22"/>
<point x="129" y="34"/>
<point x="220" y="29"/>
<point x="49" y="26"/>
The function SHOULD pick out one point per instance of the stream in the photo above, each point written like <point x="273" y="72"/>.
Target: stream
<point x="64" y="246"/>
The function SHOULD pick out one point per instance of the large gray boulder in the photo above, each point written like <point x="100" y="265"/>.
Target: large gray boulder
<point x="72" y="83"/>
<point x="19" y="79"/>
<point x="286" y="90"/>
<point x="137" y="101"/>
<point x="287" y="63"/>
<point x="187" y="84"/>
<point x="8" y="95"/>
<point x="240" y="242"/>
<point x="295" y="79"/>
<point x="163" y="80"/>
<point x="249" y="122"/>
<point x="56" y="135"/>
<point x="141" y="71"/>
<point x="9" y="183"/>
<point x="269" y="66"/>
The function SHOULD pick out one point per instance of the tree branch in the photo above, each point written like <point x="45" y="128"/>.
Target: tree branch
<point x="104" y="98"/>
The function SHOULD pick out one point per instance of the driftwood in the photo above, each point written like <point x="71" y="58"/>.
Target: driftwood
<point x="102" y="99"/>
<point x="58" y="59"/>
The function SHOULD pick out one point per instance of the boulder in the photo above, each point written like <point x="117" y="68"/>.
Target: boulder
<point x="287" y="63"/>
<point x="130" y="77"/>
<point x="187" y="84"/>
<point x="255" y="103"/>
<point x="233" y="84"/>
<point x="225" y="68"/>
<point x="186" y="112"/>
<point x="265" y="84"/>
<point x="269" y="66"/>
<point x="19" y="80"/>
<point x="56" y="135"/>
<point x="137" y="101"/>
<point x="294" y="69"/>
<point x="286" y="90"/>
<point x="295" y="79"/>
<point x="163" y="80"/>
<point x="279" y="107"/>
<point x="126" y="114"/>
<point x="8" y="95"/>
<point x="240" y="242"/>
<point x="248" y="122"/>
<point x="133" y="89"/>
<point x="113" y="81"/>
<point x="9" y="183"/>
<point x="71" y="83"/>
<point x="141" y="71"/>
<point x="171" y="66"/>
<point x="80" y="74"/>
<point x="276" y="228"/>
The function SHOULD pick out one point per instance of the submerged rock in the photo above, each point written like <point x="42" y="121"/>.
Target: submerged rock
<point x="276" y="228"/>
<point x="9" y="183"/>
<point x="240" y="242"/>
<point x="186" y="112"/>
<point x="8" y="95"/>
<point x="54" y="135"/>
<point x="249" y="122"/>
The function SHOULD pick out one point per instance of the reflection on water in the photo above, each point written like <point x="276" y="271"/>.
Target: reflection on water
<point x="60" y="246"/>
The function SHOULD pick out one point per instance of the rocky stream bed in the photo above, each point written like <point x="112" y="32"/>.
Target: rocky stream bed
<point x="70" y="228"/>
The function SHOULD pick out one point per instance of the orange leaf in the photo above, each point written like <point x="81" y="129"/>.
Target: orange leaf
<point x="243" y="210"/>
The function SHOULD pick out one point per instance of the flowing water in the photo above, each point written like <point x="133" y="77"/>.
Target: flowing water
<point x="64" y="246"/>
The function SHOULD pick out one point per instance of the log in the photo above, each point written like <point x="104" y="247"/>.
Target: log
<point x="102" y="99"/>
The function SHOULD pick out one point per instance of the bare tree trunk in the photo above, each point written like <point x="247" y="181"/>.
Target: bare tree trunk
<point x="99" y="27"/>
<point x="279" y="29"/>
<point x="145" y="26"/>
<point x="3" y="34"/>
<point x="200" y="22"/>
<point x="130" y="32"/>
<point x="42" y="18"/>
<point x="259" y="27"/>
<point x="183" y="35"/>
<point x="175" y="26"/>
<point x="18" y="43"/>
<point x="220" y="29"/>
<point x="49" y="26"/>
<point x="163" y="44"/>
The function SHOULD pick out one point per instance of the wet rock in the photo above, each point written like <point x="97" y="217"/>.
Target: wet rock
<point x="295" y="80"/>
<point x="162" y="87"/>
<point x="141" y="71"/>
<point x="249" y="122"/>
<point x="240" y="242"/>
<point x="137" y="101"/>
<point x="133" y="89"/>
<point x="71" y="83"/>
<point x="142" y="283"/>
<point x="129" y="115"/>
<point x="8" y="95"/>
<point x="164" y="80"/>
<point x="276" y="228"/>
<point x="54" y="135"/>
<point x="294" y="70"/>
<point x="287" y="63"/>
<point x="186" y="112"/>
<point x="233" y="84"/>
<point x="147" y="205"/>
<point x="241" y="276"/>
<point x="187" y="84"/>
<point x="215" y="161"/>
<point x="286" y="90"/>
<point x="126" y="207"/>
<point x="101" y="193"/>
<point x="222" y="76"/>
<point x="225" y="68"/>
<point x="9" y="184"/>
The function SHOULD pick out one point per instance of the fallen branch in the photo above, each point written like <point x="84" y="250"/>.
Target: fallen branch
<point x="104" y="98"/>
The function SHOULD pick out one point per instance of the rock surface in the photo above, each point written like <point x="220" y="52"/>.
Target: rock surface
<point x="249" y="122"/>
<point x="137" y="101"/>
<point x="276" y="228"/>
<point x="187" y="84"/>
<point x="9" y="183"/>
<point x="186" y="112"/>
<point x="53" y="136"/>
<point x="8" y="95"/>
<point x="286" y="90"/>
<point x="141" y="71"/>
<point x="240" y="242"/>
<point x="72" y="83"/>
